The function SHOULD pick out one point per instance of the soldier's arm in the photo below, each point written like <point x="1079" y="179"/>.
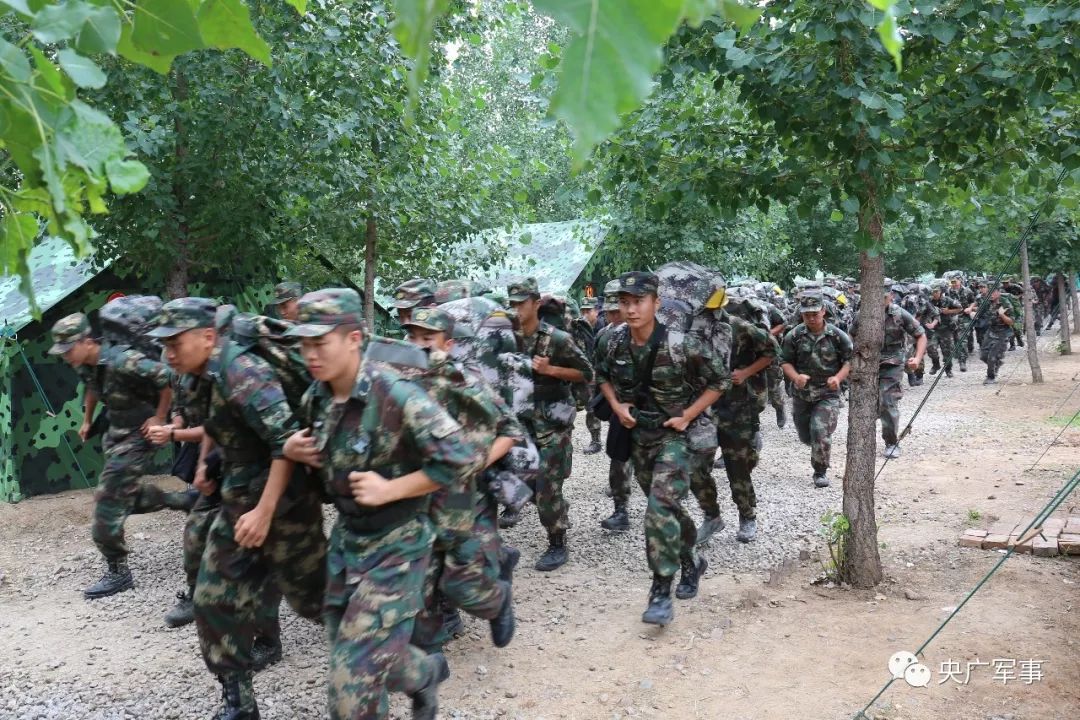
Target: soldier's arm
<point x="788" y="356"/>
<point x="570" y="363"/>
<point x="765" y="347"/>
<point x="90" y="401"/>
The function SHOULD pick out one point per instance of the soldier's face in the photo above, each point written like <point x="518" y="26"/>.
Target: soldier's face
<point x="527" y="310"/>
<point x="589" y="314"/>
<point x="637" y="310"/>
<point x="404" y="315"/>
<point x="332" y="356"/>
<point x="79" y="353"/>
<point x="430" y="339"/>
<point x="614" y="317"/>
<point x="189" y="351"/>
<point x="814" y="321"/>
<point x="290" y="309"/>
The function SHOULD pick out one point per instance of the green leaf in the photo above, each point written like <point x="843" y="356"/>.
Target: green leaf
<point x="607" y="68"/>
<point x="414" y="22"/>
<point x="882" y="4"/>
<point x="49" y="75"/>
<point x="165" y="27"/>
<point x="82" y="71"/>
<point x="738" y="57"/>
<point x="872" y="100"/>
<point x="1036" y="15"/>
<point x="54" y="23"/>
<point x="18" y="6"/>
<point x="836" y="216"/>
<point x="227" y="24"/>
<point x="157" y="62"/>
<point x="100" y="33"/>
<point x="890" y="36"/>
<point x="17" y="234"/>
<point x="127" y="176"/>
<point x="299" y="5"/>
<point x="13" y="62"/>
<point x="943" y="31"/>
<point x="742" y="15"/>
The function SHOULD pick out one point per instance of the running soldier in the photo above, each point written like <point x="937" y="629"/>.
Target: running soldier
<point x="381" y="447"/>
<point x="999" y="328"/>
<point x="558" y="362"/>
<point x="816" y="358"/>
<point x="618" y="472"/>
<point x="418" y="292"/>
<point x="962" y="294"/>
<point x="589" y="315"/>
<point x="949" y="309"/>
<point x="647" y="379"/>
<point x="286" y="296"/>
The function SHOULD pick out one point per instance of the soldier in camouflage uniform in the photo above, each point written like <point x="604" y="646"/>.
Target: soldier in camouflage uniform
<point x="618" y="472"/>
<point x="963" y="295"/>
<point x="899" y="324"/>
<point x="381" y="447"/>
<point x="135" y="390"/>
<point x="1000" y="321"/>
<point x="950" y="310"/>
<point x="589" y="315"/>
<point x="286" y="297"/>
<point x="557" y="363"/>
<point x="926" y="313"/>
<point x="418" y="292"/>
<point x="659" y="409"/>
<point x="753" y="350"/>
<point x="816" y="358"/>
<point x="469" y="567"/>
<point x="773" y="373"/>
<point x="270" y="521"/>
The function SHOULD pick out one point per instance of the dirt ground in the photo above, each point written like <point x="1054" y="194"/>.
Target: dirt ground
<point x="743" y="649"/>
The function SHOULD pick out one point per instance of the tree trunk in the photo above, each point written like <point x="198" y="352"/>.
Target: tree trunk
<point x="371" y="237"/>
<point x="176" y="282"/>
<point x="1075" y="301"/>
<point x="1029" y="316"/>
<point x="862" y="564"/>
<point x="1063" y="315"/>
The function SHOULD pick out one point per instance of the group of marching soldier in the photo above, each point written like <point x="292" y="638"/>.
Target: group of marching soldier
<point x="417" y="443"/>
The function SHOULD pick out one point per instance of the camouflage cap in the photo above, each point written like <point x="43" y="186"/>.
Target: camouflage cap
<point x="431" y="319"/>
<point x="413" y="292"/>
<point x="811" y="301"/>
<point x="67" y="331"/>
<point x="283" y="292"/>
<point x="588" y="303"/>
<point x="323" y="310"/>
<point x="185" y="314"/>
<point x="611" y="294"/>
<point x="638" y="282"/>
<point x="223" y="317"/>
<point x="522" y="290"/>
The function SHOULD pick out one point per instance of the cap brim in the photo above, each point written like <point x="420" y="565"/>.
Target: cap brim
<point x="422" y="325"/>
<point x="638" y="291"/>
<point x="309" y="331"/>
<point x="517" y="298"/>
<point x="813" y="308"/>
<point x="164" y="331"/>
<point x="60" y="348"/>
<point x="405" y="304"/>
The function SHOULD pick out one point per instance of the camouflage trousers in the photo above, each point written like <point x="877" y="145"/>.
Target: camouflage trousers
<point x="960" y="346"/>
<point x="992" y="349"/>
<point x="775" y="377"/>
<point x="735" y="429"/>
<point x="196" y="531"/>
<point x="556" y="462"/>
<point x="619" y="481"/>
<point x="703" y="484"/>
<point x="815" y="421"/>
<point x="662" y="463"/>
<point x="128" y="456"/>
<point x="375" y="589"/>
<point x="946" y="339"/>
<point x="890" y="391"/>
<point x="465" y="576"/>
<point x="230" y="591"/>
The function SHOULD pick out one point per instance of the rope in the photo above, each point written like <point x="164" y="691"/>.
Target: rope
<point x="1038" y="521"/>
<point x="8" y="332"/>
<point x="1065" y="427"/>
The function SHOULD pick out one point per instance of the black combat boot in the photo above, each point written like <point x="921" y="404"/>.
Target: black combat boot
<point x="265" y="651"/>
<point x="509" y="518"/>
<point x="963" y="366"/>
<point x="237" y="698"/>
<point x="660" y="611"/>
<point x="911" y="379"/>
<point x="594" y="446"/>
<point x="781" y="415"/>
<point x="619" y="520"/>
<point x="507" y="563"/>
<point x="556" y="554"/>
<point x="453" y="626"/>
<point x="935" y="368"/>
<point x="184" y="612"/>
<point x="117" y="579"/>
<point x="502" y="625"/>
<point x="425" y="701"/>
<point x="709" y="526"/>
<point x="690" y="578"/>
<point x="182" y="501"/>
<point x="821" y="480"/>
<point x="747" y="529"/>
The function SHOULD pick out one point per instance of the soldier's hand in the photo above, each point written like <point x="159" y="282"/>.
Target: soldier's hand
<point x="202" y="484"/>
<point x="252" y="528"/>
<point x="739" y="376"/>
<point x="622" y="411"/>
<point x="541" y="365"/>
<point x="833" y="383"/>
<point x="801" y="380"/>
<point x="151" y="422"/>
<point x="370" y="488"/>
<point x="159" y="434"/>
<point x="84" y="431"/>
<point x="301" y="448"/>
<point x="678" y="424"/>
<point x="913" y="363"/>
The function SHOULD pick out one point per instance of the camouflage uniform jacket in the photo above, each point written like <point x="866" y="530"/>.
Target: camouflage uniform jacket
<point x="995" y="320"/>
<point x="899" y="323"/>
<point x="947" y="302"/>
<point x="963" y="295"/>
<point x="249" y="418"/>
<point x="820" y="356"/>
<point x="681" y="366"/>
<point x="130" y="385"/>
<point x="553" y="399"/>
<point x="921" y="309"/>
<point x="191" y="398"/>
<point x="390" y="426"/>
<point x="748" y="343"/>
